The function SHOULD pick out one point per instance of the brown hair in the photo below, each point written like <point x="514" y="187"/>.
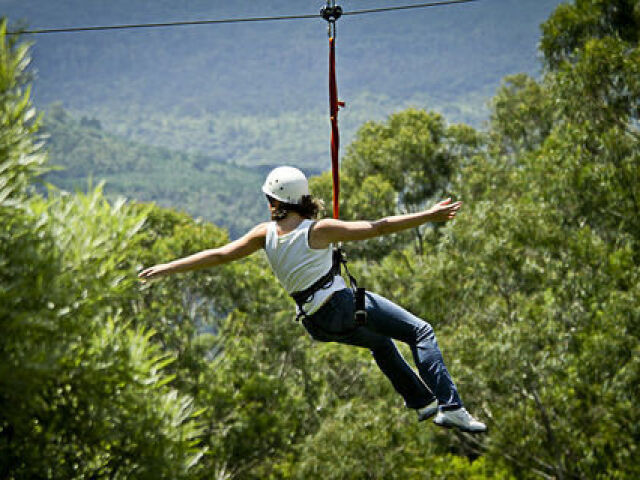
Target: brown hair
<point x="309" y="207"/>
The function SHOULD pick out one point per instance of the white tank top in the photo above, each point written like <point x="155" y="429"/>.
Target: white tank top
<point x="298" y="266"/>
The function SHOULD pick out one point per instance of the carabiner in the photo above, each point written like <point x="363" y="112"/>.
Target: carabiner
<point x="331" y="12"/>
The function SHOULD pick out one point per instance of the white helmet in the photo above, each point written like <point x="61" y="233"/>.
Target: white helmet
<point x="286" y="184"/>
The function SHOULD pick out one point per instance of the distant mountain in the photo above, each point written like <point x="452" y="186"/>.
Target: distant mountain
<point x="221" y="104"/>
<point x="448" y="52"/>
<point x="449" y="57"/>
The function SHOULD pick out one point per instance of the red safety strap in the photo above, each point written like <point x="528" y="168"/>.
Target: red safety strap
<point x="334" y="105"/>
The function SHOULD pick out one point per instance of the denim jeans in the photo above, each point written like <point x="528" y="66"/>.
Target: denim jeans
<point x="334" y="322"/>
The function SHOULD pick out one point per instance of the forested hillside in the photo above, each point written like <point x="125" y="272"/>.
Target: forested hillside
<point x="255" y="94"/>
<point x="533" y="291"/>
<point x="205" y="187"/>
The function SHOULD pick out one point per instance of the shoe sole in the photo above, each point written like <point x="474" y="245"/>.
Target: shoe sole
<point x="462" y="429"/>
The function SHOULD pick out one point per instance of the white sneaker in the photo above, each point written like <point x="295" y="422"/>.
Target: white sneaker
<point x="427" y="412"/>
<point x="461" y="419"/>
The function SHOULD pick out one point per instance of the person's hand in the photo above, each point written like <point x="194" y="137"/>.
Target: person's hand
<point x="444" y="210"/>
<point x="154" y="272"/>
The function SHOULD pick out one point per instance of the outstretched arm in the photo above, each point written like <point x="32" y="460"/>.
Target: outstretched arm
<point x="240" y="248"/>
<point x="329" y="231"/>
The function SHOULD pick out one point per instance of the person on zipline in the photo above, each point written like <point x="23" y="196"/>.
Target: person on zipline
<point x="299" y="250"/>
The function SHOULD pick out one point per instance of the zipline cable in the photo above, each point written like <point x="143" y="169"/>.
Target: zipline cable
<point x="230" y="20"/>
<point x="407" y="7"/>
<point x="156" y="25"/>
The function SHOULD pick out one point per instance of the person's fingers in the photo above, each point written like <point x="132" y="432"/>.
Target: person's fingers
<point x="146" y="273"/>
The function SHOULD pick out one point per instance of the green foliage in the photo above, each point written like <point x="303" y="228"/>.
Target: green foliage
<point x="572" y="26"/>
<point x="522" y="115"/>
<point x="87" y="392"/>
<point x="409" y="152"/>
<point x="592" y="47"/>
<point x="533" y="292"/>
<point x="605" y="77"/>
<point x="540" y="287"/>
<point x="19" y="151"/>
<point x="398" y="166"/>
<point x="83" y="393"/>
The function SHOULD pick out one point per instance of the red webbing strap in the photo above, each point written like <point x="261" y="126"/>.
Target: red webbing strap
<point x="334" y="105"/>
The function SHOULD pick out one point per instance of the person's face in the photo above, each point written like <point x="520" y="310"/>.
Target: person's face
<point x="273" y="204"/>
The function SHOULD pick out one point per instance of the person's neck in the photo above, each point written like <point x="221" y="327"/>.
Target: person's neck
<point x="289" y="223"/>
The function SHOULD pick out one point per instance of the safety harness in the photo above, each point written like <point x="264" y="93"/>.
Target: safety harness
<point x="339" y="260"/>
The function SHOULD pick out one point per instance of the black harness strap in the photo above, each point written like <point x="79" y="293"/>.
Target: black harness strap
<point x="339" y="259"/>
<point x="360" y="314"/>
<point x="304" y="296"/>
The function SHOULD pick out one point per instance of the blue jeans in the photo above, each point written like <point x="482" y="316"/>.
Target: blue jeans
<point x="334" y="322"/>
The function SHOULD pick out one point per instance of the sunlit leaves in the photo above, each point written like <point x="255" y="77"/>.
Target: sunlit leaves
<point x="84" y="393"/>
<point x="572" y="25"/>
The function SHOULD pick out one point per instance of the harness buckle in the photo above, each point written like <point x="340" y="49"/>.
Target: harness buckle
<point x="360" y="315"/>
<point x="339" y="260"/>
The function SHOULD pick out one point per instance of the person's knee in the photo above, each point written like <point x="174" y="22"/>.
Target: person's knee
<point x="425" y="333"/>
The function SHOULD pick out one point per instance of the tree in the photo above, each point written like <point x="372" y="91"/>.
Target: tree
<point x="572" y="25"/>
<point x="83" y="393"/>
<point x="398" y="166"/>
<point x="592" y="49"/>
<point x="534" y="285"/>
<point x="521" y="115"/>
